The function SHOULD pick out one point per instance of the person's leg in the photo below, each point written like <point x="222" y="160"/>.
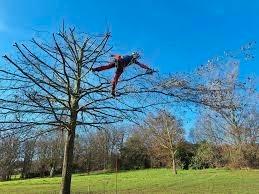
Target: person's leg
<point x="115" y="80"/>
<point x="101" y="68"/>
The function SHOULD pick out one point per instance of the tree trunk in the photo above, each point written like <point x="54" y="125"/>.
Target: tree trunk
<point x="67" y="162"/>
<point x="173" y="163"/>
<point x="52" y="171"/>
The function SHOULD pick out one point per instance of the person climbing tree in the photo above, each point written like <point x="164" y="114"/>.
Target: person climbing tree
<point x="120" y="63"/>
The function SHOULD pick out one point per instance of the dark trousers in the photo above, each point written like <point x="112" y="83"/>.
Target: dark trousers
<point x="117" y="75"/>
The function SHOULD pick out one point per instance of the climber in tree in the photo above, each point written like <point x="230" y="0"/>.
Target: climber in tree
<point x="120" y="63"/>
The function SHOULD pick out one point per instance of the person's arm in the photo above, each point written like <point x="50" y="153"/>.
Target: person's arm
<point x="142" y="65"/>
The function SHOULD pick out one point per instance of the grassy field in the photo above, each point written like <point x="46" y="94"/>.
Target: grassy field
<point x="146" y="181"/>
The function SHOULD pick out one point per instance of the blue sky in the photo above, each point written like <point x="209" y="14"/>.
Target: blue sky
<point x="174" y="36"/>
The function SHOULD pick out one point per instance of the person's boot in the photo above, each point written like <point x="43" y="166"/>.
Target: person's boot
<point x="113" y="93"/>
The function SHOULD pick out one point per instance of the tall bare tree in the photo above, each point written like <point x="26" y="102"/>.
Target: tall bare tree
<point x="49" y="85"/>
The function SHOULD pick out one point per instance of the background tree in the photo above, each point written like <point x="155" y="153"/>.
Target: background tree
<point x="185" y="154"/>
<point x="134" y="153"/>
<point x="97" y="149"/>
<point x="27" y="154"/>
<point x="236" y="126"/>
<point x="207" y="156"/>
<point x="9" y="155"/>
<point x="165" y="132"/>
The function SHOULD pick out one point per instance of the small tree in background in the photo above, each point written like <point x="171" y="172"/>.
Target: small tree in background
<point x="9" y="155"/>
<point x="134" y="153"/>
<point x="27" y="154"/>
<point x="165" y="132"/>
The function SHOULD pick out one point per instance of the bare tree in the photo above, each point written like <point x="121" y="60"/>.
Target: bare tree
<point x="235" y="125"/>
<point x="27" y="153"/>
<point x="235" y="128"/>
<point x="8" y="156"/>
<point x="49" y="86"/>
<point x="48" y="153"/>
<point x="98" y="148"/>
<point x="165" y="132"/>
<point x="211" y="85"/>
<point x="56" y="147"/>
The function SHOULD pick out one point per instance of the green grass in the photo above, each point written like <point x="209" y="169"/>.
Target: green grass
<point x="146" y="181"/>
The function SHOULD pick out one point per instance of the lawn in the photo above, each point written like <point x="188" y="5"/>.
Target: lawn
<point x="146" y="181"/>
